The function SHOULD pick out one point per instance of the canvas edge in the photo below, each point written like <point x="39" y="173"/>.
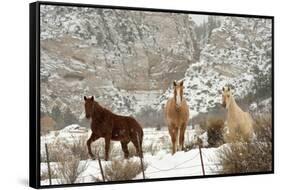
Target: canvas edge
<point x="34" y="92"/>
<point x="34" y="98"/>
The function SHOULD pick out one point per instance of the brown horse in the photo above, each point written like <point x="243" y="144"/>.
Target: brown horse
<point x="177" y="115"/>
<point x="114" y="127"/>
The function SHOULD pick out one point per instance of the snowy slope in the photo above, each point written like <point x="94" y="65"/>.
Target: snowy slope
<point x="233" y="51"/>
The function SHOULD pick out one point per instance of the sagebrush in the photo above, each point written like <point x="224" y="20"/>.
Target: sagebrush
<point x="119" y="170"/>
<point x="245" y="157"/>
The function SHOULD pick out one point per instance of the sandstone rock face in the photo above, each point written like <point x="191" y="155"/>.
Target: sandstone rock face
<point x="126" y="59"/>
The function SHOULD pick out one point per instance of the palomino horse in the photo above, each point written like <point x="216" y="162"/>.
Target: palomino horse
<point x="110" y="126"/>
<point x="239" y="123"/>
<point x="177" y="115"/>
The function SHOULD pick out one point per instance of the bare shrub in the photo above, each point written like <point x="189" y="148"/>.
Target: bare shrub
<point x="215" y="131"/>
<point x="67" y="156"/>
<point x="116" y="151"/>
<point x="263" y="127"/>
<point x="119" y="170"/>
<point x="53" y="152"/>
<point x="150" y="148"/>
<point x="45" y="175"/>
<point x="255" y="156"/>
<point x="78" y="148"/>
<point x="69" y="168"/>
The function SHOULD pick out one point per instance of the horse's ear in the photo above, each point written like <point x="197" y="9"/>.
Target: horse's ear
<point x="85" y="98"/>
<point x="92" y="98"/>
<point x="175" y="83"/>
<point x="181" y="83"/>
<point x="228" y="89"/>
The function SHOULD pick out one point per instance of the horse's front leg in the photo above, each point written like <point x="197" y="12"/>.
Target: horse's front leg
<point x="107" y="146"/>
<point x="181" y="136"/>
<point x="89" y="142"/>
<point x="173" y="133"/>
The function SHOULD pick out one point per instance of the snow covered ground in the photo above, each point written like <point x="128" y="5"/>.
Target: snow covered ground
<point x="160" y="163"/>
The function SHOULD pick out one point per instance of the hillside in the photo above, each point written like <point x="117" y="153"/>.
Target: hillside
<point x="129" y="59"/>
<point x="238" y="54"/>
<point x="126" y="59"/>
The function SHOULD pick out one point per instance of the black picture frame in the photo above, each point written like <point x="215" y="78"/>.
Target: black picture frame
<point x="34" y="91"/>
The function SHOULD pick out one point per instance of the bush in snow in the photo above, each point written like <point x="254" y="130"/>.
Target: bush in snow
<point x="77" y="148"/>
<point x="151" y="148"/>
<point x="69" y="168"/>
<point x="245" y="157"/>
<point x="215" y="128"/>
<point x="122" y="169"/>
<point x="263" y="127"/>
<point x="45" y="175"/>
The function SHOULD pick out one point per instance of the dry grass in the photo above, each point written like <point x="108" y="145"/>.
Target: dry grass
<point x="256" y="156"/>
<point x="119" y="170"/>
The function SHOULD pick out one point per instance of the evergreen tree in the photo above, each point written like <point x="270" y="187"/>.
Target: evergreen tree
<point x="69" y="117"/>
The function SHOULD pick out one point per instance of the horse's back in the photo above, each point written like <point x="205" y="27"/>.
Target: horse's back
<point x="129" y="123"/>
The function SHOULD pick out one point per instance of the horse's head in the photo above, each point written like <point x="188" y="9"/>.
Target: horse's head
<point x="226" y="95"/>
<point x="89" y="102"/>
<point x="178" y="93"/>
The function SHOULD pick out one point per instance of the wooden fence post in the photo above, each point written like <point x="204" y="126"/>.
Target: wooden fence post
<point x="48" y="164"/>
<point x="141" y="156"/>
<point x="101" y="170"/>
<point x="201" y="158"/>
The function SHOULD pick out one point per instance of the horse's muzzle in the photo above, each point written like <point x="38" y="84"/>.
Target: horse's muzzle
<point x="224" y="104"/>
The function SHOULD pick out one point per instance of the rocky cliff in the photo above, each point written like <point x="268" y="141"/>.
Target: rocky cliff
<point x="125" y="58"/>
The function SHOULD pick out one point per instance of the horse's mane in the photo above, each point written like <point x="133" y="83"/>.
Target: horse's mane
<point x="100" y="112"/>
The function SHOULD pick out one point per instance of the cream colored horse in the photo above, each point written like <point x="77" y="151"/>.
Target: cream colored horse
<point x="177" y="115"/>
<point x="239" y="123"/>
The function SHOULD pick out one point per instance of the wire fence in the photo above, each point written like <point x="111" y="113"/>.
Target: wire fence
<point x="196" y="168"/>
<point x="151" y="170"/>
<point x="184" y="165"/>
